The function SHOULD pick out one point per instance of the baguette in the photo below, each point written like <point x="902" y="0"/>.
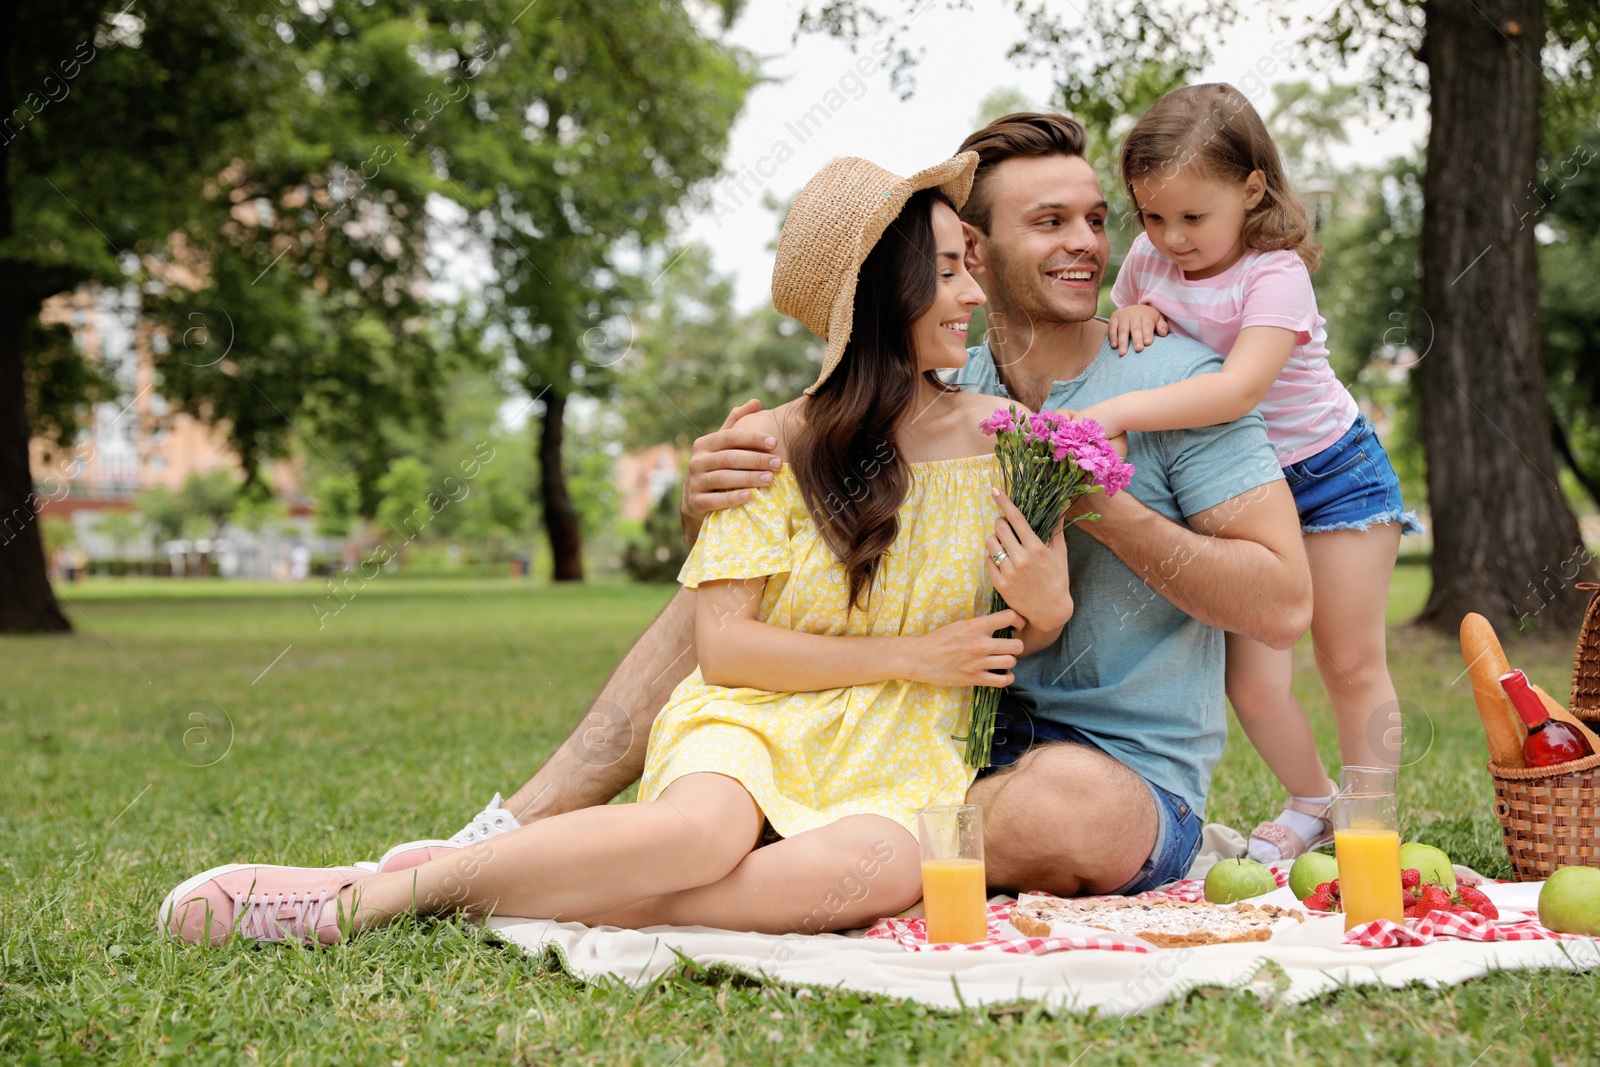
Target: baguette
<point x="1486" y="662"/>
<point x="1559" y="711"/>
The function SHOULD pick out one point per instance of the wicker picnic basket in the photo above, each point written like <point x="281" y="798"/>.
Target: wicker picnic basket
<point x="1549" y="820"/>
<point x="1550" y="816"/>
<point x="1586" y="663"/>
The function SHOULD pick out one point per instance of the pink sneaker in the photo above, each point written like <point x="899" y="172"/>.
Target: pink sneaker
<point x="490" y="822"/>
<point x="264" y="901"/>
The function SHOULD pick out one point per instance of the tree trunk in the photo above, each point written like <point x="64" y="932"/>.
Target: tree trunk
<point x="560" y="517"/>
<point x="27" y="603"/>
<point x="1506" y="544"/>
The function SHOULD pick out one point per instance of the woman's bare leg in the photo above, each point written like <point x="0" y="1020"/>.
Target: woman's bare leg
<point x="566" y="866"/>
<point x="841" y="876"/>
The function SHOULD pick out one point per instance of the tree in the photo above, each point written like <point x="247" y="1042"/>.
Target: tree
<point x="409" y="502"/>
<point x="337" y="504"/>
<point x="269" y="178"/>
<point x="497" y="512"/>
<point x="211" y="498"/>
<point x="139" y="145"/>
<point x="121" y="528"/>
<point x="693" y="357"/>
<point x="167" y="513"/>
<point x="1500" y="520"/>
<point x="1562" y="210"/>
<point x="585" y="143"/>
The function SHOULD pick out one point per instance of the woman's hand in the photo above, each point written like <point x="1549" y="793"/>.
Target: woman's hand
<point x="1031" y="574"/>
<point x="966" y="652"/>
<point x="1137" y="325"/>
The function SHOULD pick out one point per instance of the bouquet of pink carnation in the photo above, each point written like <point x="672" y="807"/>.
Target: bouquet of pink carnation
<point x="1049" y="462"/>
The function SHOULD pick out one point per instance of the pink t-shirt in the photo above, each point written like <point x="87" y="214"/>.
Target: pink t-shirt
<point x="1308" y="408"/>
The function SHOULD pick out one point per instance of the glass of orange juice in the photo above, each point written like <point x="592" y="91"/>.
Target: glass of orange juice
<point x="1354" y="779"/>
<point x="955" y="898"/>
<point x="1366" y="844"/>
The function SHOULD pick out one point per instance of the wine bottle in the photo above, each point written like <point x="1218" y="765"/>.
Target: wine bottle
<point x="1550" y="741"/>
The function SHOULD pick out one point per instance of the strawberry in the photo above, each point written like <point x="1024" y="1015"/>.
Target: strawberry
<point x="1318" y="901"/>
<point x="1330" y="889"/>
<point x="1410" y="878"/>
<point x="1434" y="898"/>
<point x="1473" y="898"/>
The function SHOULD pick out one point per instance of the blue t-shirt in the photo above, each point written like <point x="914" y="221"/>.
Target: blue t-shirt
<point x="1137" y="675"/>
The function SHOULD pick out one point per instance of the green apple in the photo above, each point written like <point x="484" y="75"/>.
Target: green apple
<point x="1310" y="871"/>
<point x="1430" y="862"/>
<point x="1569" y="903"/>
<point x="1233" y="880"/>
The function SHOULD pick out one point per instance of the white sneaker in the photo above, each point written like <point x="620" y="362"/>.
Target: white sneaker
<point x="490" y="822"/>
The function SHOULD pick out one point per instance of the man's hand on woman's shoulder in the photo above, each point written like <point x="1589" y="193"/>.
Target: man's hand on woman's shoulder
<point x="727" y="463"/>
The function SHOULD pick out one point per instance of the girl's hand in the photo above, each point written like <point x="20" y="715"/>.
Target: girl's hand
<point x="1033" y="576"/>
<point x="967" y="652"/>
<point x="1108" y="415"/>
<point x="1138" y="325"/>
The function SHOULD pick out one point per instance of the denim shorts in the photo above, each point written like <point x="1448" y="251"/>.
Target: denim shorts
<point x="1349" y="485"/>
<point x="1177" y="826"/>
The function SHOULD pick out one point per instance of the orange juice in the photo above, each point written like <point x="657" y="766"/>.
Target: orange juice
<point x="1369" y="875"/>
<point x="955" y="900"/>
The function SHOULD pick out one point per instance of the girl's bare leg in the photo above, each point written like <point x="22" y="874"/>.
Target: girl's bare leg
<point x="1259" y="686"/>
<point x="1350" y="573"/>
<point x="837" y="877"/>
<point x="582" y="862"/>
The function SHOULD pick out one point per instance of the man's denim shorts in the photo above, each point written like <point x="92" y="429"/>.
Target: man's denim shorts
<point x="1178" y="827"/>
<point x="1349" y="485"/>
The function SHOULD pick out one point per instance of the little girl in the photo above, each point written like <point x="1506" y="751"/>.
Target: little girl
<point x="1225" y="258"/>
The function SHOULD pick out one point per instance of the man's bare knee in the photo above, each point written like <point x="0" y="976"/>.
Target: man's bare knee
<point x="1066" y="819"/>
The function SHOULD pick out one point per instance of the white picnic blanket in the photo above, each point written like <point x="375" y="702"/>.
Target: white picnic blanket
<point x="1310" y="959"/>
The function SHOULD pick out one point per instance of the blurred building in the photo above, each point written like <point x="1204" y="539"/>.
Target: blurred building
<point x="139" y="442"/>
<point x="646" y="476"/>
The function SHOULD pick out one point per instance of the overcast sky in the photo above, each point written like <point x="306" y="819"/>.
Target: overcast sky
<point x="964" y="60"/>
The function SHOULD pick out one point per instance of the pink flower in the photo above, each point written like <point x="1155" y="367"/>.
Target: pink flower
<point x="1119" y="480"/>
<point x="1116" y="474"/>
<point x="1002" y="421"/>
<point x="1086" y="443"/>
<point x="1070" y="438"/>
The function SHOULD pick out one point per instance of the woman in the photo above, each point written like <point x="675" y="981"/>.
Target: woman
<point x="835" y="629"/>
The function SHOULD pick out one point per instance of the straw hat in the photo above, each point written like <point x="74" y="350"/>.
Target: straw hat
<point x="834" y="223"/>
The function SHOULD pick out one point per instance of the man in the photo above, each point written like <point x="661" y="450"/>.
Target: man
<point x="1107" y="740"/>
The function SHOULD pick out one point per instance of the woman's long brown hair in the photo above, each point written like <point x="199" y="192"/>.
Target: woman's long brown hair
<point x="844" y="458"/>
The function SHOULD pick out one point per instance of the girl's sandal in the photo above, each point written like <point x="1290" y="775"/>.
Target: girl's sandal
<point x="1291" y="845"/>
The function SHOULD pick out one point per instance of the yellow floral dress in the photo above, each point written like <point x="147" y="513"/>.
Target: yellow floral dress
<point x="810" y="759"/>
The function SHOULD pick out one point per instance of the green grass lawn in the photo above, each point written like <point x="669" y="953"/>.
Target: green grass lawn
<point x="175" y="731"/>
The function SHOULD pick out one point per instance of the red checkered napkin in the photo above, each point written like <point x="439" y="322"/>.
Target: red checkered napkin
<point x="1446" y="926"/>
<point x="912" y="933"/>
